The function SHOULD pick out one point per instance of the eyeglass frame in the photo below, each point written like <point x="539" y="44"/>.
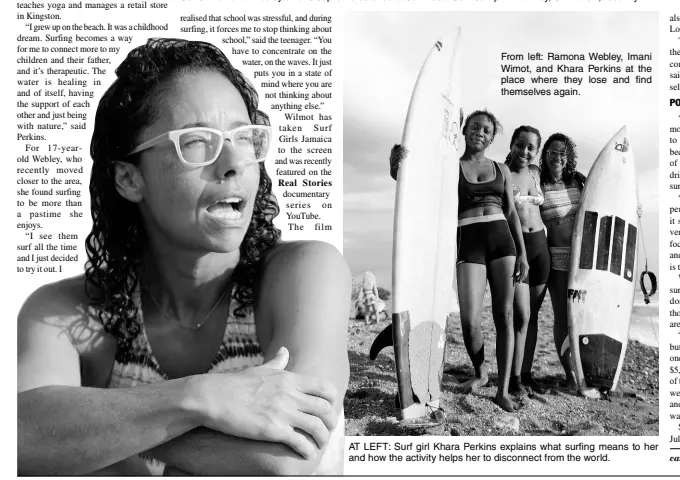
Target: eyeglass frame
<point x="557" y="153"/>
<point x="173" y="135"/>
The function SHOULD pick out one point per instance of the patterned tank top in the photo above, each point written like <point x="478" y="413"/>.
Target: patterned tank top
<point x="137" y="365"/>
<point x="239" y="349"/>
<point x="560" y="206"/>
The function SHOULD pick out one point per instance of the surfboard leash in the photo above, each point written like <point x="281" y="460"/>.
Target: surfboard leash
<point x="650" y="275"/>
<point x="652" y="281"/>
<point x="651" y="323"/>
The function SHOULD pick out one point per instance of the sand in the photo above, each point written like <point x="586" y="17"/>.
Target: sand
<point x="370" y="400"/>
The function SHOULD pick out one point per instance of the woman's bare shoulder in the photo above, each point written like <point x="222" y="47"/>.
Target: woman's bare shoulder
<point x="505" y="170"/>
<point x="305" y="254"/>
<point x="63" y="296"/>
<point x="64" y="306"/>
<point x="61" y="340"/>
<point x="304" y="268"/>
<point x="299" y="280"/>
<point x="304" y="305"/>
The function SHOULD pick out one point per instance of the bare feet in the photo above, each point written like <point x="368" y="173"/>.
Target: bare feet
<point x="518" y="389"/>
<point x="480" y="379"/>
<point x="505" y="402"/>
<point x="532" y="384"/>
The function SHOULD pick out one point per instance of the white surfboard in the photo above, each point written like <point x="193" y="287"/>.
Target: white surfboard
<point x="603" y="264"/>
<point x="425" y="221"/>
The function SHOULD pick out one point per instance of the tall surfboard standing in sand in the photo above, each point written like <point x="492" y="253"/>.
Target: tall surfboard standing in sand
<point x="425" y="221"/>
<point x="601" y="282"/>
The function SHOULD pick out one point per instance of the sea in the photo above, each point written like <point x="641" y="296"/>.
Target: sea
<point x="644" y="322"/>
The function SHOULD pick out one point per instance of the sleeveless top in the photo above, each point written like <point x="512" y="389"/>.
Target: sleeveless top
<point x="560" y="206"/>
<point x="240" y="349"/>
<point x="473" y="195"/>
<point x="528" y="199"/>
<point x="137" y="365"/>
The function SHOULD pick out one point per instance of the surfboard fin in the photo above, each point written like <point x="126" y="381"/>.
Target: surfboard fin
<point x="384" y="339"/>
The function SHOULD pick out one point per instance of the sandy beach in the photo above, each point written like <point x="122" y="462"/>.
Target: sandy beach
<point x="370" y="400"/>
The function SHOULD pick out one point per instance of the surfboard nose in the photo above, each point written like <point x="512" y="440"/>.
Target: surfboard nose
<point x="621" y="142"/>
<point x="449" y="40"/>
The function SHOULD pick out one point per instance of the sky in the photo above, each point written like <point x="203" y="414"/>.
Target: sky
<point x="384" y="53"/>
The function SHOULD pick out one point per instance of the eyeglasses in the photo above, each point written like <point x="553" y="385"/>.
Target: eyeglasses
<point x="557" y="153"/>
<point x="199" y="146"/>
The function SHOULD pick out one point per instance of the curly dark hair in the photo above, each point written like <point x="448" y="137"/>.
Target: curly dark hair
<point x="117" y="239"/>
<point x="515" y="134"/>
<point x="569" y="169"/>
<point x="497" y="127"/>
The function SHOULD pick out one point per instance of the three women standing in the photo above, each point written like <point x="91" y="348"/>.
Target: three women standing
<point x="514" y="230"/>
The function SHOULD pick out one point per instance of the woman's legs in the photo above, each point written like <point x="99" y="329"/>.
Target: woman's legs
<point x="557" y="285"/>
<point x="521" y="315"/>
<point x="370" y="309"/>
<point x="539" y="272"/>
<point x="373" y="311"/>
<point x="471" y="282"/>
<point x="536" y="296"/>
<point x="502" y="295"/>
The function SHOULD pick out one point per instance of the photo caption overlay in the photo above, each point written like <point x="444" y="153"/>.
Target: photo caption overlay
<point x="60" y="64"/>
<point x="564" y="74"/>
<point x="434" y="451"/>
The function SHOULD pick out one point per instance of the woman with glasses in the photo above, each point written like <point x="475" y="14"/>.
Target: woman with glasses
<point x="196" y="341"/>
<point x="562" y="186"/>
<point x="528" y="197"/>
<point x="490" y="247"/>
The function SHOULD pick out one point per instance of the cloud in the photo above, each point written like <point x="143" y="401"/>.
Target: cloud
<point x="369" y="201"/>
<point x="385" y="51"/>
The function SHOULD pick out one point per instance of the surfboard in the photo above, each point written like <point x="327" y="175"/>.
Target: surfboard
<point x="425" y="221"/>
<point x="601" y="281"/>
